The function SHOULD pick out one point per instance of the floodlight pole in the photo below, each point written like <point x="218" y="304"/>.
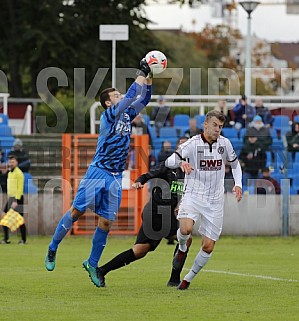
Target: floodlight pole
<point x="114" y="32"/>
<point x="249" y="7"/>
<point x="248" y="58"/>
<point x="113" y="63"/>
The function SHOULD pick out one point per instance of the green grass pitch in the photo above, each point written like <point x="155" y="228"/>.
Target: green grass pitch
<point x="247" y="278"/>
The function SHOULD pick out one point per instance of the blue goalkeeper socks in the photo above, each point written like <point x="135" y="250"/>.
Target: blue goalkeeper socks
<point x="64" y="225"/>
<point x="98" y="245"/>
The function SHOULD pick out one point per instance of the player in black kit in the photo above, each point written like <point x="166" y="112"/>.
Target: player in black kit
<point x="158" y="219"/>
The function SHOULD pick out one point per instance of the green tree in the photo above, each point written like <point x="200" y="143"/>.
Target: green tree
<point x="215" y="42"/>
<point x="180" y="49"/>
<point x="65" y="34"/>
<point x="64" y="115"/>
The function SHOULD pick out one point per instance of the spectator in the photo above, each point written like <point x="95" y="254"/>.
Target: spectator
<point x="264" y="112"/>
<point x="252" y="159"/>
<point x="161" y="115"/>
<point x="221" y="106"/>
<point x="3" y="173"/>
<point x="2" y="156"/>
<point x="139" y="127"/>
<point x="151" y="158"/>
<point x="3" y="177"/>
<point x="267" y="184"/>
<point x="193" y="129"/>
<point x="165" y="151"/>
<point x="257" y="129"/>
<point x="131" y="159"/>
<point x="15" y="191"/>
<point x="293" y="139"/>
<point x="243" y="113"/>
<point x="21" y="154"/>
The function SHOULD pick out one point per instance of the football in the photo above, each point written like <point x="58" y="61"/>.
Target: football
<point x="157" y="61"/>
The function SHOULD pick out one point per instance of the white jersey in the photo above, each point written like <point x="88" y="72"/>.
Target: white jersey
<point x="206" y="180"/>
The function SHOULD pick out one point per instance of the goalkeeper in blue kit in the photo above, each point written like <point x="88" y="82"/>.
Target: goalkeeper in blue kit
<point x="100" y="190"/>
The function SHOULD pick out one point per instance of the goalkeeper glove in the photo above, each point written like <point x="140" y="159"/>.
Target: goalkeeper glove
<point x="144" y="68"/>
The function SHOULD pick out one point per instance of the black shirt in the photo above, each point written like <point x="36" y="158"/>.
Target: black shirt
<point x="167" y="190"/>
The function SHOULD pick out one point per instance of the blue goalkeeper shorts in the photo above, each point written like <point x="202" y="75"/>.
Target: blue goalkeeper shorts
<point x="100" y="191"/>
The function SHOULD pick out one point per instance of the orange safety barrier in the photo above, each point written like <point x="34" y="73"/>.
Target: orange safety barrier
<point x="78" y="151"/>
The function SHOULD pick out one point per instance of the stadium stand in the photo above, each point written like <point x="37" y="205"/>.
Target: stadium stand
<point x="6" y="137"/>
<point x="200" y="120"/>
<point x="5" y="130"/>
<point x="170" y="134"/>
<point x="6" y="143"/>
<point x="181" y="123"/>
<point x="146" y="119"/>
<point x="181" y="120"/>
<point x="3" y="119"/>
<point x="281" y="123"/>
<point x="229" y="132"/>
<point x="277" y="158"/>
<point x="29" y="186"/>
<point x="296" y="119"/>
<point x="273" y="132"/>
<point x="242" y="133"/>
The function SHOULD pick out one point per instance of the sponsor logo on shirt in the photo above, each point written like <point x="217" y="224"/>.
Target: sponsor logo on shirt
<point x="210" y="164"/>
<point x="123" y="126"/>
<point x="177" y="187"/>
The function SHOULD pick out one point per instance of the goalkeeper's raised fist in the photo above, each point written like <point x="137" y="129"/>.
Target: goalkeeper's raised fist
<point x="144" y="68"/>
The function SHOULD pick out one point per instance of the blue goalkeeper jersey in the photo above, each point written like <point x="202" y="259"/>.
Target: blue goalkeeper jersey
<point x="115" y="129"/>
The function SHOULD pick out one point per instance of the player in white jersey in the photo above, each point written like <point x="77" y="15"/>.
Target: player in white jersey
<point x="204" y="189"/>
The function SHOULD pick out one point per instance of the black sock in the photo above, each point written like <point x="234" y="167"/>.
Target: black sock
<point x="176" y="274"/>
<point x="23" y="232"/>
<point x="176" y="248"/>
<point x="118" y="261"/>
<point x="6" y="233"/>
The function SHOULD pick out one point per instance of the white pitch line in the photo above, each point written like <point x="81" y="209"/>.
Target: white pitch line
<point x="265" y="277"/>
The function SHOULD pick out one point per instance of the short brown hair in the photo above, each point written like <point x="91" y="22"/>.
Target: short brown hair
<point x="104" y="96"/>
<point x="13" y="157"/>
<point x="217" y="114"/>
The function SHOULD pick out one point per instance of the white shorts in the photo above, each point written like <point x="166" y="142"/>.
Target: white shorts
<point x="210" y="215"/>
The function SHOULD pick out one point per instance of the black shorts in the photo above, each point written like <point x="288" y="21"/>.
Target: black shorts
<point x="19" y="208"/>
<point x="157" y="223"/>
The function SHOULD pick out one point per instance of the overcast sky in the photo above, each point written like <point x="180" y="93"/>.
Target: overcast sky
<point x="268" y="21"/>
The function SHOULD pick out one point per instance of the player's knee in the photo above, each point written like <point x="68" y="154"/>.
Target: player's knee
<point x="75" y="214"/>
<point x="140" y="250"/>
<point x="140" y="254"/>
<point x="208" y="248"/>
<point x="104" y="224"/>
<point x="186" y="230"/>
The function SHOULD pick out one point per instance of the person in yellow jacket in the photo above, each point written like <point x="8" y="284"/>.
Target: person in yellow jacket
<point x="15" y="191"/>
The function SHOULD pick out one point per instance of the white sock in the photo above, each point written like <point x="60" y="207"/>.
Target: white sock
<point x="182" y="239"/>
<point x="200" y="261"/>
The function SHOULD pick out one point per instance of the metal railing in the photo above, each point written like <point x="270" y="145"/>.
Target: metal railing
<point x="26" y="128"/>
<point x="4" y="97"/>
